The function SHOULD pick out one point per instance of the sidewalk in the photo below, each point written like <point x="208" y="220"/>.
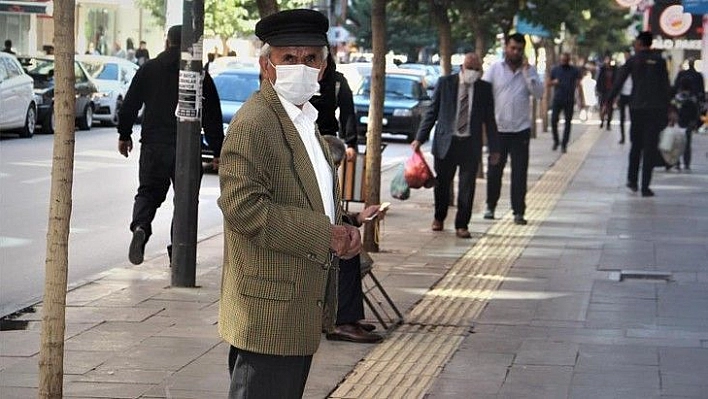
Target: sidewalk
<point x="534" y="311"/>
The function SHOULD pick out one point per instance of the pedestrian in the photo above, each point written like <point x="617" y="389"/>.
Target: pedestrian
<point x="349" y="325"/>
<point x="605" y="80"/>
<point x="695" y="82"/>
<point x="513" y="82"/>
<point x="283" y="229"/>
<point x="648" y="109"/>
<point x="565" y="80"/>
<point x="117" y="50"/>
<point x="142" y="54"/>
<point x="687" y="107"/>
<point x="463" y="106"/>
<point x="8" y="47"/>
<point x="623" y="102"/>
<point x="334" y="94"/>
<point x="210" y="59"/>
<point x="155" y="85"/>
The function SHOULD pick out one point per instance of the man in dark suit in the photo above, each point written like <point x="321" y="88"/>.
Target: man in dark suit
<point x="463" y="107"/>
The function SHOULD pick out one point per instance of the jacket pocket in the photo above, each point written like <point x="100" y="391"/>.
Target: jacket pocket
<point x="279" y="290"/>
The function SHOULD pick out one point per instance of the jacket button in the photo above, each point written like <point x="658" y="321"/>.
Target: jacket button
<point x="311" y="256"/>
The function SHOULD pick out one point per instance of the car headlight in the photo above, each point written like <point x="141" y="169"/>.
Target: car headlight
<point x="99" y="95"/>
<point x="402" y="112"/>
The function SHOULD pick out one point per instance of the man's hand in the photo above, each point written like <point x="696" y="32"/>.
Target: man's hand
<point x="346" y="241"/>
<point x="494" y="158"/>
<point x="351" y="153"/>
<point x="124" y="147"/>
<point x="415" y="145"/>
<point x="215" y="164"/>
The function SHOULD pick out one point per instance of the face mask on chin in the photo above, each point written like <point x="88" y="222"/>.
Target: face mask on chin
<point x="295" y="83"/>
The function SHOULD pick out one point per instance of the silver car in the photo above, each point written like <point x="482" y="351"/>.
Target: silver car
<point x="18" y="110"/>
<point x="112" y="76"/>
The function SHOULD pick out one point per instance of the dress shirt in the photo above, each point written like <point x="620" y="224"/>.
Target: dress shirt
<point x="304" y="120"/>
<point x="511" y="90"/>
<point x="470" y="94"/>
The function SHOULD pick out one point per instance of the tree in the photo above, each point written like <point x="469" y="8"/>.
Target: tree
<point x="51" y="353"/>
<point x="267" y="7"/>
<point x="156" y="8"/>
<point x="229" y="18"/>
<point x="373" y="132"/>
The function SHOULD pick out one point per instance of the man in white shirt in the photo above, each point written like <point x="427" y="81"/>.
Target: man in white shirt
<point x="513" y="82"/>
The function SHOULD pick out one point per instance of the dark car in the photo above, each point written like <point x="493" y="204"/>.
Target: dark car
<point x="234" y="86"/>
<point x="405" y="101"/>
<point x="41" y="69"/>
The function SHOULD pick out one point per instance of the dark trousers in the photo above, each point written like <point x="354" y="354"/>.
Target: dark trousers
<point x="687" y="151"/>
<point x="567" y="109"/>
<point x="465" y="155"/>
<point x="515" y="145"/>
<point x="623" y="104"/>
<point x="260" y="376"/>
<point x="644" y="135"/>
<point x="350" y="296"/>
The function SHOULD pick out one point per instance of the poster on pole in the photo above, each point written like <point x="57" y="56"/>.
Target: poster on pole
<point x="190" y="97"/>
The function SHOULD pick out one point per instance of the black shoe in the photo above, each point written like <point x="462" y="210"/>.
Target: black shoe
<point x="519" y="219"/>
<point x="555" y="146"/>
<point x="136" y="252"/>
<point x="632" y="186"/>
<point x="564" y="148"/>
<point x="489" y="214"/>
<point x="647" y="192"/>
<point x="621" y="141"/>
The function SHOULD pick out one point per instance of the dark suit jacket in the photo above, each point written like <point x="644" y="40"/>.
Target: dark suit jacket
<point x="276" y="235"/>
<point x="444" y="111"/>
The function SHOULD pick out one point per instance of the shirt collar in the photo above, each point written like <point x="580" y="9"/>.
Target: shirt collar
<point x="294" y="112"/>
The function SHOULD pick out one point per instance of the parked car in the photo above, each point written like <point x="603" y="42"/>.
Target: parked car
<point x="405" y="101"/>
<point x="41" y="69"/>
<point x="227" y="63"/>
<point x="112" y="76"/>
<point x="18" y="111"/>
<point x="234" y="86"/>
<point x="431" y="74"/>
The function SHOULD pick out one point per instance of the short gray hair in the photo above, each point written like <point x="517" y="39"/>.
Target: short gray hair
<point x="266" y="50"/>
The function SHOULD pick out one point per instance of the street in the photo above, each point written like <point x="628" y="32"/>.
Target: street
<point x="104" y="186"/>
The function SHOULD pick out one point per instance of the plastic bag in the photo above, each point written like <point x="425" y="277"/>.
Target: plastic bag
<point x="417" y="172"/>
<point x="672" y="143"/>
<point x="399" y="187"/>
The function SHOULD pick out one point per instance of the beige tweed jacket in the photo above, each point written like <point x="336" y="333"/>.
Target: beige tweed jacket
<point x="277" y="262"/>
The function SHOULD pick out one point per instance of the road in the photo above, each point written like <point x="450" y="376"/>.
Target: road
<point x="103" y="191"/>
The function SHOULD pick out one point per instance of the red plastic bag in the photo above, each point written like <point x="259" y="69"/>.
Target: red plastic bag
<point x="417" y="172"/>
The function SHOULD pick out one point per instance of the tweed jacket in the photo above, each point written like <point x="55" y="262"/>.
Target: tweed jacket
<point x="444" y="111"/>
<point x="277" y="262"/>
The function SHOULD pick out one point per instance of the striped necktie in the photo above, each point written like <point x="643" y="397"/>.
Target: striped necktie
<point x="463" y="111"/>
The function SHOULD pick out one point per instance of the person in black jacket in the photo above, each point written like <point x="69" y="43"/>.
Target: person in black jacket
<point x="336" y="93"/>
<point x="648" y="109"/>
<point x="155" y="85"/>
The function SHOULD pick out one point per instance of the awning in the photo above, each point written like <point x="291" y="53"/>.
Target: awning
<point x="27" y="7"/>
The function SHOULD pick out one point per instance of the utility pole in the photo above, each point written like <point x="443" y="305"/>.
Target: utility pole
<point x="188" y="157"/>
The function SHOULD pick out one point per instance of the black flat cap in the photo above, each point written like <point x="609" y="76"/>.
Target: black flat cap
<point x="300" y="27"/>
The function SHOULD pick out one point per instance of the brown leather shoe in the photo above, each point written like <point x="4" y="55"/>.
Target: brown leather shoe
<point x="437" y="225"/>
<point x="463" y="233"/>
<point x="368" y="327"/>
<point x="353" y="333"/>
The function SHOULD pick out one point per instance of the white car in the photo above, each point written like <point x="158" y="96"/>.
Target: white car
<point x="112" y="76"/>
<point x="18" y="110"/>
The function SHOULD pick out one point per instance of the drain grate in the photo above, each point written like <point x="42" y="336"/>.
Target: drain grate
<point x="640" y="275"/>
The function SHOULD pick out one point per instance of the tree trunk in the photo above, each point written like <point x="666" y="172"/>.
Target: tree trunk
<point x="225" y="46"/>
<point x="373" y="132"/>
<point x="267" y="7"/>
<point x="51" y="353"/>
<point x="442" y="21"/>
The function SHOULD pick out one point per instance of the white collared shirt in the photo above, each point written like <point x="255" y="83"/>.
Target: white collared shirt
<point x="512" y="90"/>
<point x="470" y="93"/>
<point x="304" y="120"/>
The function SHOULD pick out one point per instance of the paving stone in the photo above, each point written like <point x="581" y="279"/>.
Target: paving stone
<point x="548" y="353"/>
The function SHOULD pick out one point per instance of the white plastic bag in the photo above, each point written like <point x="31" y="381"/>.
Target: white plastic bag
<point x="672" y="143"/>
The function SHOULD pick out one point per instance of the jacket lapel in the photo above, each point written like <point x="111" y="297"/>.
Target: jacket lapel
<point x="302" y="167"/>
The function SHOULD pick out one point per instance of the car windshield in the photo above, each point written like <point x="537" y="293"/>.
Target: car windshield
<point x="100" y="70"/>
<point x="236" y="87"/>
<point x="39" y="67"/>
<point x="395" y="87"/>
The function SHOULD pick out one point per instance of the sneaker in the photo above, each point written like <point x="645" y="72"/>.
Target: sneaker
<point x="136" y="252"/>
<point x="489" y="214"/>
<point x="519" y="219"/>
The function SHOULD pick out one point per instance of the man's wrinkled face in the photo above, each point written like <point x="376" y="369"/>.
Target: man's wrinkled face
<point x="313" y="57"/>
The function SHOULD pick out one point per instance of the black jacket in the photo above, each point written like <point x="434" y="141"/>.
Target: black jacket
<point x="650" y="81"/>
<point x="156" y="86"/>
<point x="335" y="92"/>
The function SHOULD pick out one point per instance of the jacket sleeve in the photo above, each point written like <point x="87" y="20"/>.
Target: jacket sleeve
<point x="490" y="121"/>
<point x="211" y="115"/>
<point x="133" y="101"/>
<point x="431" y="114"/>
<point x="347" y="115"/>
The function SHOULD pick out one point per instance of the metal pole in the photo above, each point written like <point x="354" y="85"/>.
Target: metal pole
<point x="188" y="157"/>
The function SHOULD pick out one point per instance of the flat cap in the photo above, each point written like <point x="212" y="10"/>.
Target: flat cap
<point x="299" y="27"/>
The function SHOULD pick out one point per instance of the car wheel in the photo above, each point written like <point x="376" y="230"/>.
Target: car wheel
<point x="86" y="120"/>
<point x="30" y="123"/>
<point x="48" y="122"/>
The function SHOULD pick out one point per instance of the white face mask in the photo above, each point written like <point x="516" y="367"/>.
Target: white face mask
<point x="470" y="76"/>
<point x="296" y="83"/>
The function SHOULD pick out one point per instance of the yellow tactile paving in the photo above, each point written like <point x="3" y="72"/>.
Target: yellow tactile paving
<point x="406" y="364"/>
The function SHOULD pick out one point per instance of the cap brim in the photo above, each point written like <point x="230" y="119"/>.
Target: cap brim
<point x="300" y="40"/>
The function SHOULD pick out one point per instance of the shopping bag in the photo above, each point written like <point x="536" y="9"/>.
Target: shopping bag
<point x="672" y="144"/>
<point x="417" y="172"/>
<point x="399" y="187"/>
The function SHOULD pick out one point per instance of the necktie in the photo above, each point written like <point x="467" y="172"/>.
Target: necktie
<point x="463" y="112"/>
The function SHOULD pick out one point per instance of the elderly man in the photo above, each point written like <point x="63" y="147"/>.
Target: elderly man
<point x="283" y="229"/>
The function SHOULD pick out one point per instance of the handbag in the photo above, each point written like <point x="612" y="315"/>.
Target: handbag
<point x="399" y="188"/>
<point x="417" y="172"/>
